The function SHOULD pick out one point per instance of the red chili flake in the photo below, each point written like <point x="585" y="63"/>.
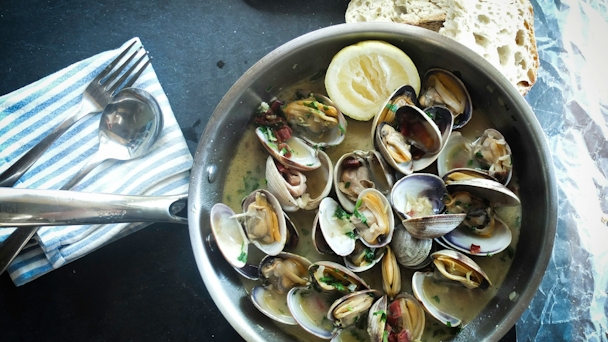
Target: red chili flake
<point x="475" y="249"/>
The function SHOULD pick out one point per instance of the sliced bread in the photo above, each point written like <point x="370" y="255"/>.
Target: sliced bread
<point x="502" y="31"/>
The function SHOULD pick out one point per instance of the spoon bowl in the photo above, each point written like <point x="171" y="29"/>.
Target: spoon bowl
<point x="130" y="124"/>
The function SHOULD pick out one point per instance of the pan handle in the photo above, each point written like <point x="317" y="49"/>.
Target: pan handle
<point x="34" y="207"/>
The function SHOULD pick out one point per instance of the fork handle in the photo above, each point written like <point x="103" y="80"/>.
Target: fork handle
<point x="9" y="177"/>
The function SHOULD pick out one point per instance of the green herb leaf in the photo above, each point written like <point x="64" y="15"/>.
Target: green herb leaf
<point x="341" y="128"/>
<point x="358" y="214"/>
<point x="430" y="115"/>
<point x="369" y="255"/>
<point x="243" y="256"/>
<point x="436" y="298"/>
<point x="392" y="107"/>
<point x="385" y="336"/>
<point x="341" y="213"/>
<point x="448" y="324"/>
<point x="479" y="155"/>
<point x="351" y="234"/>
<point x="347" y="185"/>
<point x="470" y="162"/>
<point x="382" y="314"/>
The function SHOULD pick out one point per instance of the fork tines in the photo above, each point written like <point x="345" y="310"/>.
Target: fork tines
<point x="128" y="77"/>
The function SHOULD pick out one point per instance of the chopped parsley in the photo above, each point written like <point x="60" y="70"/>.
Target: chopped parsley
<point x="351" y="234"/>
<point x="341" y="213"/>
<point x="479" y="155"/>
<point x="448" y="324"/>
<point x="331" y="281"/>
<point x="243" y="256"/>
<point x="347" y="185"/>
<point x="436" y="298"/>
<point x="470" y="162"/>
<point x="269" y="88"/>
<point x="430" y="115"/>
<point x="392" y="107"/>
<point x="341" y="128"/>
<point x="358" y="214"/>
<point x="382" y="314"/>
<point x="369" y="255"/>
<point x="385" y="336"/>
<point x="311" y="104"/>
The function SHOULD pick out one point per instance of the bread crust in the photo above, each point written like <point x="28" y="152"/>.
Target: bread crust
<point x="510" y="45"/>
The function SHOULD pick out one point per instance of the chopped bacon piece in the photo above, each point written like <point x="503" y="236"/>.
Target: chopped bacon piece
<point x="475" y="249"/>
<point x="275" y="106"/>
<point x="350" y="162"/>
<point x="283" y="134"/>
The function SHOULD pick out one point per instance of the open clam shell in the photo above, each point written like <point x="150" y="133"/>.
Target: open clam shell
<point x="444" y="120"/>
<point x="493" y="153"/>
<point x="411" y="142"/>
<point x="418" y="201"/>
<point x="404" y="310"/>
<point x="457" y="267"/>
<point x="347" y="310"/>
<point x="362" y="258"/>
<point x="328" y="276"/>
<point x="493" y="191"/>
<point x="264" y="222"/>
<point x="358" y="170"/>
<point x="418" y="288"/>
<point x="279" y="274"/>
<point x="316" y="119"/>
<point x="456" y="154"/>
<point x="473" y="244"/>
<point x="441" y="87"/>
<point x="338" y="232"/>
<point x="297" y="154"/>
<point x="373" y="218"/>
<point x="309" y="309"/>
<point x="229" y="235"/>
<point x="404" y="95"/>
<point x="303" y="190"/>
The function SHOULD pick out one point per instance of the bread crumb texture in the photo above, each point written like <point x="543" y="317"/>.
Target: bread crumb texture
<point x="501" y="31"/>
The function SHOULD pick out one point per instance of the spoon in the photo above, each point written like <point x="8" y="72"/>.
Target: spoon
<point x="129" y="126"/>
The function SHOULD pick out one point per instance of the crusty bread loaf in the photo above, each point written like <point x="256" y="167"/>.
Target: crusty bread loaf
<point x="425" y="13"/>
<point x="502" y="31"/>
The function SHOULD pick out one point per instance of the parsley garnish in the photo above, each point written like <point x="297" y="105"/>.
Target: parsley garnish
<point x="369" y="255"/>
<point x="382" y="314"/>
<point x="341" y="129"/>
<point x="470" y="162"/>
<point x="479" y="155"/>
<point x="311" y="104"/>
<point x="385" y="336"/>
<point x="331" y="281"/>
<point x="346" y="185"/>
<point x="351" y="234"/>
<point x="436" y="298"/>
<point x="448" y="324"/>
<point x="358" y="214"/>
<point x="243" y="256"/>
<point x="392" y="107"/>
<point x="341" y="213"/>
<point x="430" y="115"/>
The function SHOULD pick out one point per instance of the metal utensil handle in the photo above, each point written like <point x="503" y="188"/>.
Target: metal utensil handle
<point x="9" y="177"/>
<point x="26" y="208"/>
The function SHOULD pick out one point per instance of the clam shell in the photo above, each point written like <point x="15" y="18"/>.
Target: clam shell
<point x="349" y="280"/>
<point x="503" y="176"/>
<point x="424" y="185"/>
<point x="456" y="154"/>
<point x="330" y="138"/>
<point x="450" y="80"/>
<point x="387" y="111"/>
<point x="380" y="241"/>
<point x="275" y="247"/>
<point x="429" y="306"/>
<point x="410" y="251"/>
<point x="272" y="304"/>
<point x="303" y="157"/>
<point x="443" y="119"/>
<point x="379" y="172"/>
<point x="309" y="308"/>
<point x="462" y="240"/>
<point x="376" y="319"/>
<point x="335" y="231"/>
<point x="357" y="303"/>
<point x="467" y="262"/>
<point x="432" y="142"/>
<point x="318" y="184"/>
<point x="378" y="255"/>
<point x="495" y="192"/>
<point x="229" y="235"/>
<point x="282" y="256"/>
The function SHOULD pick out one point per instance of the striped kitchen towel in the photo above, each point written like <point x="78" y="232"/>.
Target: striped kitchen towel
<point x="27" y="115"/>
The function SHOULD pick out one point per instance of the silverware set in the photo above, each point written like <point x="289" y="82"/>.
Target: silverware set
<point x="130" y="123"/>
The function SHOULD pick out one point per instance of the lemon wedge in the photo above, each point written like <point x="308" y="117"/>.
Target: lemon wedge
<point x="361" y="77"/>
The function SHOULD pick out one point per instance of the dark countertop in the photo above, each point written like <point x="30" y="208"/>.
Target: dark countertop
<point x="145" y="286"/>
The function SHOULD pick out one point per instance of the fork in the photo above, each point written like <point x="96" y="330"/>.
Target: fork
<point x="96" y="96"/>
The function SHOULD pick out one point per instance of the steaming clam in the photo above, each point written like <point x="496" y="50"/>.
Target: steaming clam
<point x="290" y="151"/>
<point x="418" y="200"/>
<point x="357" y="171"/>
<point x="297" y="190"/>
<point x="406" y="136"/>
<point x="401" y="320"/>
<point x="362" y="258"/>
<point x="451" y="267"/>
<point x="410" y="251"/>
<point x="441" y="87"/>
<point x="482" y="232"/>
<point x="279" y="274"/>
<point x="316" y="119"/>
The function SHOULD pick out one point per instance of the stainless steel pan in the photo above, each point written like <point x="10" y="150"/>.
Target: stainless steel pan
<point x="304" y="56"/>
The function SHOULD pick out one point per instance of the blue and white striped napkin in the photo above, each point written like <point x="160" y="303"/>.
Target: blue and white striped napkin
<point x="27" y="115"/>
